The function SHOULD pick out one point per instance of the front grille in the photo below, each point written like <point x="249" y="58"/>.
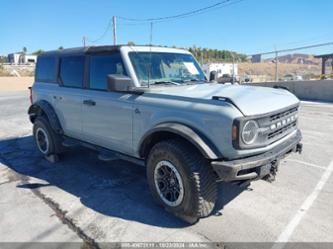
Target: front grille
<point x="276" y="126"/>
<point x="281" y="131"/>
<point x="283" y="114"/>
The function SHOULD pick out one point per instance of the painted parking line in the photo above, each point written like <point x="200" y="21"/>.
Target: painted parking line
<point x="306" y="163"/>
<point x="288" y="231"/>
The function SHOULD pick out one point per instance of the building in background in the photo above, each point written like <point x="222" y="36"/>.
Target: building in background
<point x="256" y="58"/>
<point x="22" y="58"/>
<point x="220" y="69"/>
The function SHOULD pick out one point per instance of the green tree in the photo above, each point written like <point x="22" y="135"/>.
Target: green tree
<point x="130" y="43"/>
<point x="61" y="48"/>
<point x="24" y="50"/>
<point x="38" y="52"/>
<point x="3" y="59"/>
<point x="216" y="55"/>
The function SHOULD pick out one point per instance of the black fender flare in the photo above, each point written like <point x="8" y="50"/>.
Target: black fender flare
<point x="206" y="147"/>
<point x="42" y="106"/>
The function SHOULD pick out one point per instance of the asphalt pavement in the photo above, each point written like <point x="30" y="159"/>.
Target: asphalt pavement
<point x="83" y="199"/>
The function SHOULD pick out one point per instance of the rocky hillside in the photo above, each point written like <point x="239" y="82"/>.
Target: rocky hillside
<point x="17" y="70"/>
<point x="304" y="59"/>
<point x="304" y="65"/>
<point x="267" y="70"/>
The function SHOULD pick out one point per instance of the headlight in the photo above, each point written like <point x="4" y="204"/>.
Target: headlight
<point x="250" y="132"/>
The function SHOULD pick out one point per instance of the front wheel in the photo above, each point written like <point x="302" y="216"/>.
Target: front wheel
<point x="181" y="179"/>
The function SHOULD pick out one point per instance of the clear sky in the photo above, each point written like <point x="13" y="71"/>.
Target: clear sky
<point x="249" y="26"/>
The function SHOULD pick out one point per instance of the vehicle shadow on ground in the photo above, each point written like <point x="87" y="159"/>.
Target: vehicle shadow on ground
<point x="116" y="189"/>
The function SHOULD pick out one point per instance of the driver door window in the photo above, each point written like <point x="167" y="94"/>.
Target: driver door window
<point x="107" y="123"/>
<point x="103" y="65"/>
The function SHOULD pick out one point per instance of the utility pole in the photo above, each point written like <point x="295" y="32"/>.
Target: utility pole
<point x="276" y="66"/>
<point x="114" y="22"/>
<point x="233" y="68"/>
<point x="151" y="34"/>
<point x="84" y="41"/>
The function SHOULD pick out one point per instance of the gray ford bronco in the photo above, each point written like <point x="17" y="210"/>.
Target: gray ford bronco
<point x="154" y="106"/>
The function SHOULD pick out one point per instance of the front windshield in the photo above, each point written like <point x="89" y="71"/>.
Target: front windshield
<point x="166" y="68"/>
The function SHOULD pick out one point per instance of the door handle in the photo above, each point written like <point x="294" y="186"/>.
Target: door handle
<point x="89" y="102"/>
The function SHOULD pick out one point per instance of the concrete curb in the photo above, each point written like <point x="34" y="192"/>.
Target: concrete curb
<point x="319" y="90"/>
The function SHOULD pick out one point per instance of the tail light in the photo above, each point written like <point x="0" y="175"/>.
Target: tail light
<point x="30" y="97"/>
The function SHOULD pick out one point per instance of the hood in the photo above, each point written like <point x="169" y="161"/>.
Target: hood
<point x="250" y="100"/>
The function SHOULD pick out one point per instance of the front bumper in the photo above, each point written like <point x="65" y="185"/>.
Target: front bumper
<point x="255" y="167"/>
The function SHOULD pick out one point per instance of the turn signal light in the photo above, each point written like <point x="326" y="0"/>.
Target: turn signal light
<point x="234" y="132"/>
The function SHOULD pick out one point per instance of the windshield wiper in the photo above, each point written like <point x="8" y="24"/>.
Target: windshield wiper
<point x="165" y="82"/>
<point x="189" y="81"/>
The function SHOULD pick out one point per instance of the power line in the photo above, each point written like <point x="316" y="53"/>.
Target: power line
<point x="138" y="21"/>
<point x="203" y="12"/>
<point x="173" y="16"/>
<point x="182" y="15"/>
<point x="103" y="34"/>
<point x="293" y="49"/>
<point x="126" y="22"/>
<point x="313" y="39"/>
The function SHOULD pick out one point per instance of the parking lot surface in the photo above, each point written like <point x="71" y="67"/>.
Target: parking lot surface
<point x="82" y="198"/>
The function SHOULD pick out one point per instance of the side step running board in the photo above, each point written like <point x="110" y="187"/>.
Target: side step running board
<point x="70" y="143"/>
<point x="104" y="154"/>
<point x="111" y="156"/>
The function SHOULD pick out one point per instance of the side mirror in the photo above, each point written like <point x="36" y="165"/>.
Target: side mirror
<point x="213" y="76"/>
<point x="119" y="83"/>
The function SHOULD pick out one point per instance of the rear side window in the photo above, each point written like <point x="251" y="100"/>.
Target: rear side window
<point x="46" y="69"/>
<point x="101" y="66"/>
<point x="72" y="71"/>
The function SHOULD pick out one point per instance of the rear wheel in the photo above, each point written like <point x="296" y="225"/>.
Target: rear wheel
<point x="181" y="179"/>
<point x="47" y="141"/>
<point x="42" y="140"/>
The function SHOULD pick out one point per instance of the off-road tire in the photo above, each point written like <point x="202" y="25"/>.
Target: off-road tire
<point x="55" y="147"/>
<point x="199" y="180"/>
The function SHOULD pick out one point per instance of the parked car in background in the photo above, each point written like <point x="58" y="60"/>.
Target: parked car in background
<point x="290" y="77"/>
<point x="227" y="78"/>
<point x="246" y="79"/>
